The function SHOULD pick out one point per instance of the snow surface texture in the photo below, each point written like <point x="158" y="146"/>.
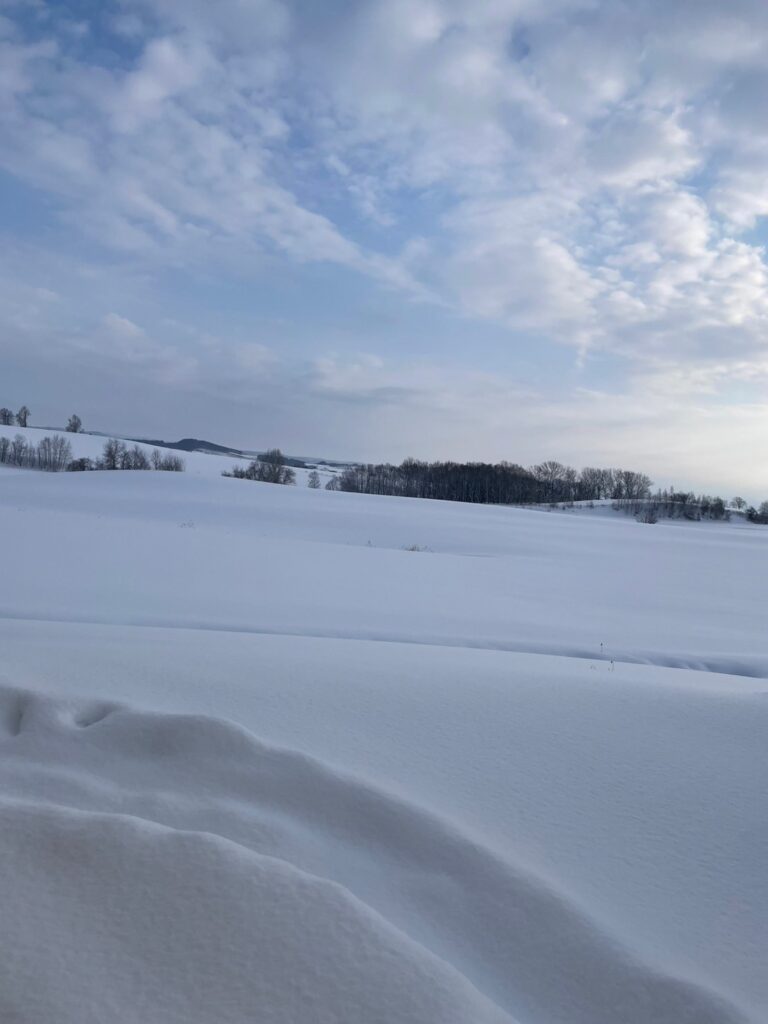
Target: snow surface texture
<point x="226" y="799"/>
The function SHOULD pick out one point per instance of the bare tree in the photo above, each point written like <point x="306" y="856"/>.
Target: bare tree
<point x="274" y="468"/>
<point x="738" y="503"/>
<point x="54" y="454"/>
<point x="171" y="463"/>
<point x="134" y="458"/>
<point x="18" y="451"/>
<point x="313" y="480"/>
<point x="6" y="417"/>
<point x="112" y="456"/>
<point x="75" y="424"/>
<point x="168" y="463"/>
<point x="549" y="473"/>
<point x="634" y="485"/>
<point x="22" y="416"/>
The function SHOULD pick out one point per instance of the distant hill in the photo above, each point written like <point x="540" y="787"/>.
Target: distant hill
<point x="192" y="444"/>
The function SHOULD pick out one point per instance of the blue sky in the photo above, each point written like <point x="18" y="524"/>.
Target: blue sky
<point x="506" y="229"/>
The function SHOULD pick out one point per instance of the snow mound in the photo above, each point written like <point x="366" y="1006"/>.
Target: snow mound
<point x="174" y="868"/>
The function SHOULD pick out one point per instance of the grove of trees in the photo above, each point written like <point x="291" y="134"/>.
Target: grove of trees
<point x="117" y="455"/>
<point x="671" y="504"/>
<point x="269" y="468"/>
<point x="502" y="483"/>
<point x="52" y="454"/>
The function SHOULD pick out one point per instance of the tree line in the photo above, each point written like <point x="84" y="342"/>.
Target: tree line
<point x="672" y="504"/>
<point x="549" y="483"/>
<point x="117" y="455"/>
<point x="53" y="454"/>
<point x="502" y="483"/>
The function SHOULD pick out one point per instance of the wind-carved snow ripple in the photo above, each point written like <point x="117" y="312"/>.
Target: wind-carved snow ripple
<point x="174" y="868"/>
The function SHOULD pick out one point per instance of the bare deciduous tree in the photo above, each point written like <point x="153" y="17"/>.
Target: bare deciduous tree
<point x="134" y="458"/>
<point x="22" y="416"/>
<point x="6" y="417"/>
<point x="18" y="455"/>
<point x="112" y="456"/>
<point x="74" y="424"/>
<point x="117" y="455"/>
<point x="171" y="464"/>
<point x="313" y="480"/>
<point x="54" y="454"/>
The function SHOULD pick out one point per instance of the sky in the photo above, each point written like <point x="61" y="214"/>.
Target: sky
<point x="369" y="229"/>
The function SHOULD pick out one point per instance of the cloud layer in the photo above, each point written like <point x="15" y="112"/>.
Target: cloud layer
<point x="521" y="175"/>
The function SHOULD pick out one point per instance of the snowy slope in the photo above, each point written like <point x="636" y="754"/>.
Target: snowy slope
<point x="261" y="757"/>
<point x="91" y="446"/>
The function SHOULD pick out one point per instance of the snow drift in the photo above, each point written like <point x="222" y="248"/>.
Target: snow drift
<point x="256" y="883"/>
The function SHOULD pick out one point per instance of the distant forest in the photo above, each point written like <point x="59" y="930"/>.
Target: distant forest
<point x="502" y="483"/>
<point x="548" y="483"/>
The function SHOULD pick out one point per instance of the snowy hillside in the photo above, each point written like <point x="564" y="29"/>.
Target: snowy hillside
<point x="91" y="446"/>
<point x="264" y="760"/>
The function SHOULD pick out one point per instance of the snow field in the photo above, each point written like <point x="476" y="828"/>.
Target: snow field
<point x="263" y="759"/>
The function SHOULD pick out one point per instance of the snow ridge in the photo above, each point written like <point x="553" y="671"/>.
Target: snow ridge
<point x="241" y="881"/>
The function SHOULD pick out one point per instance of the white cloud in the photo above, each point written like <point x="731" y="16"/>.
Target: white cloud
<point x="583" y="171"/>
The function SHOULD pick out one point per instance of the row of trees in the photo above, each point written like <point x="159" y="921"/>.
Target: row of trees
<point x="671" y="504"/>
<point x="272" y="468"/>
<point x="52" y="454"/>
<point x="117" y="455"/>
<point x="506" y="483"/>
<point x="21" y="419"/>
<point x="502" y="483"/>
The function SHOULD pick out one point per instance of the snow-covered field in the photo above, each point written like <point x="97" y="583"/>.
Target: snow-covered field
<point x="262" y="763"/>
